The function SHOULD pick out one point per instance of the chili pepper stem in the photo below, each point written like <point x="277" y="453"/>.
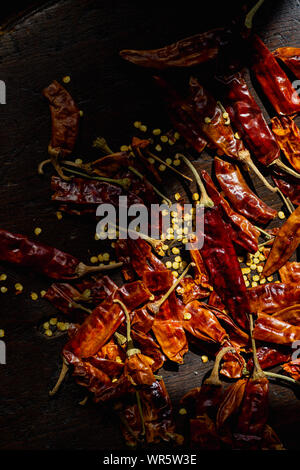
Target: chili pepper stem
<point x="251" y="13"/>
<point x="84" y="401"/>
<point x="82" y="269"/>
<point x="156" y="244"/>
<point x="285" y="168"/>
<point x="127" y="316"/>
<point x="155" y="306"/>
<point x="137" y="173"/>
<point x="121" y="339"/>
<point x="205" y="199"/>
<point x="54" y="156"/>
<point x="123" y="182"/>
<point x="41" y="166"/>
<point x="268" y="235"/>
<point x="282" y="377"/>
<point x="257" y="370"/>
<point x="286" y="201"/>
<point x="101" y="143"/>
<point x="213" y="379"/>
<point x="80" y="307"/>
<point x="267" y="242"/>
<point x="63" y="373"/>
<point x="169" y="166"/>
<point x="244" y="156"/>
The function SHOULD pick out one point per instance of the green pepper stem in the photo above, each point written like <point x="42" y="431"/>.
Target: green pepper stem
<point x="62" y="375"/>
<point x="268" y="235"/>
<point x="123" y="182"/>
<point x="82" y="269"/>
<point x="101" y="143"/>
<point x="273" y="375"/>
<point x="251" y="13"/>
<point x="169" y="166"/>
<point x="205" y="199"/>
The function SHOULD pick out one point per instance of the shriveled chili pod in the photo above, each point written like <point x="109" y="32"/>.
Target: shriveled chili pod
<point x="286" y="242"/>
<point x="291" y="57"/>
<point x="271" y="330"/>
<point x="273" y="297"/>
<point x="273" y="80"/>
<point x="243" y="200"/>
<point x="292" y="368"/>
<point x="288" y="185"/>
<point x="288" y="137"/>
<point x="242" y="231"/>
<point x="290" y="273"/>
<point x="270" y="356"/>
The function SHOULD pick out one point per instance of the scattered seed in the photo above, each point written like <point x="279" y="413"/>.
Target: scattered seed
<point x="281" y="215"/>
<point x="53" y="321"/>
<point x="187" y="316"/>
<point x="3" y="277"/>
<point x="106" y="256"/>
<point x="137" y="124"/>
<point x="143" y="128"/>
<point x="48" y="332"/>
<point x="37" y="230"/>
<point x="34" y="296"/>
<point x="164" y="138"/>
<point x="182" y="411"/>
<point x="195" y="196"/>
<point x="176" y="162"/>
<point x="270" y="278"/>
<point x="93" y="259"/>
<point x="18" y="287"/>
<point x="59" y="215"/>
<point x="1" y="333"/>
<point x="156" y="131"/>
<point x="207" y="120"/>
<point x="162" y="167"/>
<point x="66" y="79"/>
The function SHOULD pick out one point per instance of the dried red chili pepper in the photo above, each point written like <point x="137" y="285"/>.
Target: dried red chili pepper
<point x="229" y="407"/>
<point x="241" y="230"/>
<point x="149" y="347"/>
<point x="273" y="80"/>
<point x="286" y="242"/>
<point x="18" y="249"/>
<point x="293" y="368"/>
<point x="289" y="186"/>
<point x="289" y="315"/>
<point x="272" y="297"/>
<point x="291" y="57"/>
<point x="288" y="137"/>
<point x="269" y="356"/>
<point x="240" y="195"/>
<point x="65" y="122"/>
<point x="290" y="273"/>
<point x="238" y="338"/>
<point x="271" y="330"/>
<point x="233" y="362"/>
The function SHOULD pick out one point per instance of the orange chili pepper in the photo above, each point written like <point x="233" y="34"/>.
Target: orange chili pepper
<point x="288" y="138"/>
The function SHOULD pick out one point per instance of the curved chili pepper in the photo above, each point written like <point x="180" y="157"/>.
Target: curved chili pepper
<point x="291" y="57"/>
<point x="200" y="322"/>
<point x="271" y="330"/>
<point x="233" y="362"/>
<point x="286" y="242"/>
<point x="242" y="231"/>
<point x="273" y="297"/>
<point x="149" y="347"/>
<point x="239" y="194"/>
<point x="65" y="119"/>
<point x="230" y="404"/>
<point x="189" y="290"/>
<point x="186" y="52"/>
<point x="249" y="121"/>
<point x="109" y="165"/>
<point x="273" y="80"/>
<point x="288" y="137"/>
<point x="18" y="249"/>
<point x="238" y="338"/>
<point x="289" y="315"/>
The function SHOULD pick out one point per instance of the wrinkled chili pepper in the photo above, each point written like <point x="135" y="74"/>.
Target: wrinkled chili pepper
<point x="269" y="356"/>
<point x="293" y="368"/>
<point x="290" y="273"/>
<point x="249" y="121"/>
<point x="289" y="315"/>
<point x="289" y="185"/>
<point x="243" y="200"/>
<point x="273" y="297"/>
<point x="240" y="229"/>
<point x="288" y="137"/>
<point x="223" y="267"/>
<point x="270" y="329"/>
<point x="291" y="57"/>
<point x="273" y="80"/>
<point x="286" y="242"/>
<point x="238" y="338"/>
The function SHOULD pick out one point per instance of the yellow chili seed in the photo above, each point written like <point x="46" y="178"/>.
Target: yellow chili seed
<point x="195" y="196"/>
<point x="158" y="148"/>
<point x="170" y="236"/>
<point x="66" y="79"/>
<point x="256" y="260"/>
<point x="187" y="316"/>
<point x="182" y="411"/>
<point x="247" y="283"/>
<point x="3" y="277"/>
<point x="34" y="296"/>
<point x="253" y="267"/>
<point x="245" y="270"/>
<point x="185" y="240"/>
<point x="270" y="278"/>
<point x="100" y="258"/>
<point x="260" y="269"/>
<point x="78" y="161"/>
<point x="46" y="325"/>
<point x="176" y="135"/>
<point x="175" y="265"/>
<point x="177" y="196"/>
<point x="176" y="162"/>
<point x="261" y="257"/>
<point x="169" y="161"/>
<point x="175" y="251"/>
<point x="245" y="277"/>
<point x="281" y="215"/>
<point x="241" y="259"/>
<point x="156" y="131"/>
<point x="204" y="359"/>
<point x="1" y="333"/>
<point x="137" y="124"/>
<point x="165" y="247"/>
<point x="93" y="259"/>
<point x="175" y="273"/>
<point x="171" y="142"/>
<point x="81" y="113"/>
<point x="18" y="287"/>
<point x="254" y="284"/>
<point x="178" y="259"/>
<point x="207" y="120"/>
<point x="237" y="136"/>
<point x="143" y="128"/>
<point x="164" y="138"/>
<point x="255" y="278"/>
<point x="53" y="321"/>
<point x="124" y="148"/>
<point x="48" y="332"/>
<point x="162" y="167"/>
<point x="263" y="280"/>
<point x="37" y="230"/>
<point x="151" y="160"/>
<point x="106" y="256"/>
<point x="168" y="264"/>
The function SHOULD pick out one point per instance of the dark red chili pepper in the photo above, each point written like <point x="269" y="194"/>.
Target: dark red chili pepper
<point x="249" y="121"/>
<point x="239" y="194"/>
<point x="241" y="230"/>
<point x="293" y="368"/>
<point x="271" y="330"/>
<point x="269" y="356"/>
<point x="289" y="185"/>
<point x="290" y="273"/>
<point x="273" y="80"/>
<point x="65" y="119"/>
<point x="291" y="57"/>
<point x="288" y="137"/>
<point x="18" y="249"/>
<point x="270" y="298"/>
<point x="238" y="338"/>
<point x="223" y="267"/>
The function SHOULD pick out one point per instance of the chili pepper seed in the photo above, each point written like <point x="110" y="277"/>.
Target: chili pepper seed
<point x="182" y="411"/>
<point x="281" y="215"/>
<point x="37" y="230"/>
<point x="3" y="289"/>
<point x="1" y="333"/>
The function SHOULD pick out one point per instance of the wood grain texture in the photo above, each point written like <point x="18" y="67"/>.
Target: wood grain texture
<point x="81" y="38"/>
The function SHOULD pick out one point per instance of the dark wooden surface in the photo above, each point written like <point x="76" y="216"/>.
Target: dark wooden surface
<point x="82" y="39"/>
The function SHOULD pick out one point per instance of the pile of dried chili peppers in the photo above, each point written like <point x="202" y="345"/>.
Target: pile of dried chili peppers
<point x="222" y="298"/>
